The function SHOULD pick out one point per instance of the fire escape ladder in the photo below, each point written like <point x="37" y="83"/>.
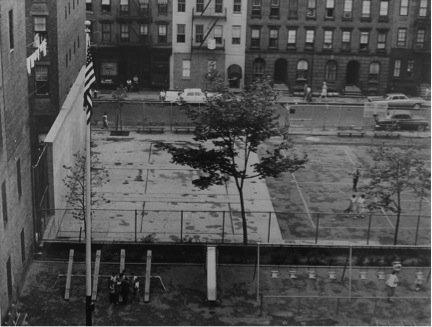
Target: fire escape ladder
<point x="209" y="31"/>
<point x="205" y="8"/>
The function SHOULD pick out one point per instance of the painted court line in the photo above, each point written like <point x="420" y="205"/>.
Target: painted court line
<point x="387" y="217"/>
<point x="303" y="199"/>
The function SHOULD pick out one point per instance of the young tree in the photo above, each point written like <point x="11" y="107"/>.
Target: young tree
<point x="394" y="172"/>
<point x="228" y="130"/>
<point x="75" y="183"/>
<point x="119" y="94"/>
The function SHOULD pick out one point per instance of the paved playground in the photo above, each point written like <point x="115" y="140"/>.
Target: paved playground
<point x="148" y="198"/>
<point x="321" y="191"/>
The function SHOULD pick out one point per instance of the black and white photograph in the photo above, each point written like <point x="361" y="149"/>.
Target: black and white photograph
<point x="215" y="162"/>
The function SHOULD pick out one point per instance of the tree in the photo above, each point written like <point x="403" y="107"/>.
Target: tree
<point x="75" y="183"/>
<point x="119" y="94"/>
<point x="394" y="172"/>
<point x="228" y="130"/>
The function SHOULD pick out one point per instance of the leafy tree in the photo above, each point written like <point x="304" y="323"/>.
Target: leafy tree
<point x="228" y="130"/>
<point x="75" y="183"/>
<point x="214" y="81"/>
<point x="394" y="172"/>
<point x="119" y="94"/>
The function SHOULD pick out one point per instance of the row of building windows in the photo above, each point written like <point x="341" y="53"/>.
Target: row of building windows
<point x="329" y="12"/>
<point x="200" y="6"/>
<point x="126" y="29"/>
<point x="67" y="8"/>
<point x="328" y="35"/>
<point x="143" y="6"/>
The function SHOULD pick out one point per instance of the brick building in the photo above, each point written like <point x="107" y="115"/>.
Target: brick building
<point x="208" y="35"/>
<point x="62" y="24"/>
<point x="16" y="223"/>
<point x="342" y="42"/>
<point x="131" y="38"/>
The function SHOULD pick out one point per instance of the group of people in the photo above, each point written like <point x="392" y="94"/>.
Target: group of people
<point x="120" y="287"/>
<point x="357" y="202"/>
<point x="132" y="84"/>
<point x="308" y="92"/>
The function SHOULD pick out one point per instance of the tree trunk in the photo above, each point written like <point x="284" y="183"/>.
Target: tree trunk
<point x="397" y="227"/>
<point x="243" y="215"/>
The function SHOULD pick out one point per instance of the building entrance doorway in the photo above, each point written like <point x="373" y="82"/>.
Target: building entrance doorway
<point x="234" y="76"/>
<point x="280" y="71"/>
<point x="352" y="73"/>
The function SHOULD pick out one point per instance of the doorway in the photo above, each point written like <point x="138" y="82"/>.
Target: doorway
<point x="352" y="72"/>
<point x="234" y="76"/>
<point x="280" y="71"/>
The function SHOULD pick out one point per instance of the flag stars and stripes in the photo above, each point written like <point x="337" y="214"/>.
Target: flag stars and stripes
<point x="89" y="80"/>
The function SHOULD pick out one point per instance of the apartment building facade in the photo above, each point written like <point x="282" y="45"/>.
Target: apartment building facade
<point x="16" y="223"/>
<point x="342" y="42"/>
<point x="131" y="38"/>
<point x="208" y="35"/>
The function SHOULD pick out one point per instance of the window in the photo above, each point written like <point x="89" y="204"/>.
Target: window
<point x="162" y="33"/>
<point x="302" y="70"/>
<point x="347" y="9"/>
<point x="329" y="11"/>
<point x="255" y="38"/>
<point x="258" y="68"/>
<point x="346" y="40"/>
<point x="199" y="33"/>
<point x="403" y="9"/>
<point x="199" y="5"/>
<point x="89" y="5"/>
<point x="374" y="68"/>
<point x="328" y="39"/>
<point x="181" y="5"/>
<point x="218" y="6"/>
<point x="274" y="38"/>
<point x="310" y="35"/>
<point x="9" y="278"/>
<point x="4" y="204"/>
<point x="186" y="68"/>
<point x="11" y="30"/>
<point x="162" y="7"/>
<point x="423" y="8"/>
<point x="143" y="5"/>
<point x="410" y="68"/>
<point x="420" y="38"/>
<point x="292" y="38"/>
<point x="381" y="40"/>
<point x="40" y="27"/>
<point x="124" y="6"/>
<point x="364" y="40"/>
<point x="124" y="32"/>
<point x="311" y="9"/>
<point x="366" y="9"/>
<point x="384" y="6"/>
<point x="23" y="254"/>
<point x="218" y="34"/>
<point x="106" y="32"/>
<point x="41" y="80"/>
<point x="274" y="8"/>
<point x="106" y="6"/>
<point x="236" y="32"/>
<point x="143" y="30"/>
<point x="402" y="37"/>
<point x="292" y="9"/>
<point x="330" y="71"/>
<point x="256" y="8"/>
<point x="181" y="33"/>
<point x="397" y="68"/>
<point x="237" y="6"/>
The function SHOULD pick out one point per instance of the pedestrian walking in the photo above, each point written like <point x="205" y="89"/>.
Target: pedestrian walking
<point x="361" y="206"/>
<point x="391" y="284"/>
<point x="351" y="204"/>
<point x="324" y="91"/>
<point x="135" y="287"/>
<point x="105" y="120"/>
<point x="309" y="94"/>
<point x="356" y="176"/>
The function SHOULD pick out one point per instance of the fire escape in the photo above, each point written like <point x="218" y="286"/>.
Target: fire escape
<point x="134" y="15"/>
<point x="214" y="14"/>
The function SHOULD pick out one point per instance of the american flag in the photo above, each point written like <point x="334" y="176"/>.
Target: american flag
<point x="89" y="80"/>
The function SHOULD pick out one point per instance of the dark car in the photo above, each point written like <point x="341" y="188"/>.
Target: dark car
<point x="401" y="121"/>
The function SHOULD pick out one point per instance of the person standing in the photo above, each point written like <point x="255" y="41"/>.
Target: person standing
<point x="352" y="204"/>
<point x="324" y="91"/>
<point x="124" y="288"/>
<point x="356" y="177"/>
<point x="111" y="289"/>
<point x="105" y="120"/>
<point x="309" y="94"/>
<point x="391" y="284"/>
<point x="135" y="287"/>
<point x="135" y="83"/>
<point x="361" y="206"/>
<point x="129" y="84"/>
<point x="305" y="92"/>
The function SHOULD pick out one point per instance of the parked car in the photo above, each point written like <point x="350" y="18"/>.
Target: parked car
<point x="401" y="121"/>
<point x="398" y="100"/>
<point x="196" y="96"/>
<point x="172" y="96"/>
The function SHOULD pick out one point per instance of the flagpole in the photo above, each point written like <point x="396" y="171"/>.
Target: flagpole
<point x="88" y="207"/>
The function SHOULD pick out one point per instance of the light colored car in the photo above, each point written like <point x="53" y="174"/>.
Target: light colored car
<point x="398" y="100"/>
<point x="171" y="96"/>
<point x="196" y="96"/>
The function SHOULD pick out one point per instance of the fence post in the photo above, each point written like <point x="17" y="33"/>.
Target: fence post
<point x="269" y="224"/>
<point x="369" y="228"/>
<point x="223" y="227"/>
<point x="258" y="273"/>
<point x="350" y="272"/>
<point x="317" y="228"/>
<point x="135" y="226"/>
<point x="181" y="226"/>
